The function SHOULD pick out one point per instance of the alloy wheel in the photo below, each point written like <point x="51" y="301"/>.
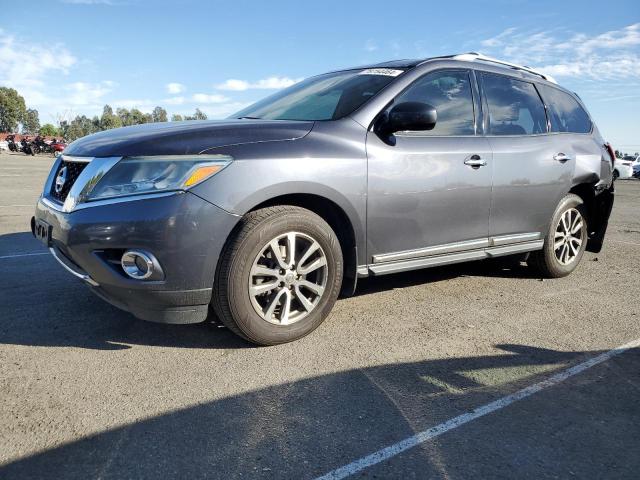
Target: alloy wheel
<point x="288" y="278"/>
<point x="568" y="236"/>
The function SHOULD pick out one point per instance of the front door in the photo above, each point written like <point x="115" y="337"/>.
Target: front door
<point x="430" y="188"/>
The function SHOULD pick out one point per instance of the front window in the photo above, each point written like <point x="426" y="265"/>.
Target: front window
<point x="449" y="92"/>
<point x="325" y="97"/>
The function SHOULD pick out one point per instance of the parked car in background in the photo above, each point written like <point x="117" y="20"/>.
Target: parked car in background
<point x="4" y="145"/>
<point x="624" y="167"/>
<point x="267" y="217"/>
<point x="636" y="167"/>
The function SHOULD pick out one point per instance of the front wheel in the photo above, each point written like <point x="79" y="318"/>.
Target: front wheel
<point x="279" y="275"/>
<point x="565" y="241"/>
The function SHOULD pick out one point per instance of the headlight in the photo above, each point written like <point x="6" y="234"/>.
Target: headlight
<point x="140" y="175"/>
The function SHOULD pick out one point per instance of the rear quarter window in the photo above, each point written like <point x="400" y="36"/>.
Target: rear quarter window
<point x="565" y="113"/>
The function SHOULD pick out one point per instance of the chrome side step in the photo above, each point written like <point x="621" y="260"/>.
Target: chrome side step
<point x="430" y="251"/>
<point x="453" y="253"/>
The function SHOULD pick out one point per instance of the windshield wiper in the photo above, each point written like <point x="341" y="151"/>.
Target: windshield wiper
<point x="249" y="118"/>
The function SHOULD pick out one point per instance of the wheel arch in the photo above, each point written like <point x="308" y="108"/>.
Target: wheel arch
<point x="598" y="208"/>
<point x="337" y="219"/>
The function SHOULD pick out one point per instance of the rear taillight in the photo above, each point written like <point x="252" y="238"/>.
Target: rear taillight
<point x="612" y="154"/>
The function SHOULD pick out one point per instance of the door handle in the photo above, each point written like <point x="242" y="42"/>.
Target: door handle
<point x="561" y="157"/>
<point x="475" y="161"/>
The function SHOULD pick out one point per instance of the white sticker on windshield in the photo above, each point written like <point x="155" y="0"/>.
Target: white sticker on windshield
<point x="389" y="72"/>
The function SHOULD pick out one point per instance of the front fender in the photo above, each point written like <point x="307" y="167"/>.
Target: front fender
<point x="247" y="183"/>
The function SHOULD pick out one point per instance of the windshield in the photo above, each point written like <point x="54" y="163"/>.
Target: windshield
<point x="325" y="97"/>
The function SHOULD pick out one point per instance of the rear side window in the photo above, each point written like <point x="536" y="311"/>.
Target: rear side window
<point x="450" y="93"/>
<point x="515" y="108"/>
<point x="565" y="113"/>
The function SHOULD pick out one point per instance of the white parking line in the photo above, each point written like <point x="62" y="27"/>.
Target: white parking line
<point x="18" y="255"/>
<point x="415" y="440"/>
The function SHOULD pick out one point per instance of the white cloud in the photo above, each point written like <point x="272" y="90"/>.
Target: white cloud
<point x="610" y="55"/>
<point x="174" y="100"/>
<point x="233" y="84"/>
<point x="270" y="83"/>
<point x="25" y="66"/>
<point x="205" y="98"/>
<point x="370" y="45"/>
<point x="84" y="94"/>
<point x="497" y="40"/>
<point x="175" y="88"/>
<point x="614" y="39"/>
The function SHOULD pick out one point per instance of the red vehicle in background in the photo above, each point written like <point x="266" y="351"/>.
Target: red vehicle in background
<point x="57" y="147"/>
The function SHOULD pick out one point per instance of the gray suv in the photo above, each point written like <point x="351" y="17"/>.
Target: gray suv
<point x="264" y="219"/>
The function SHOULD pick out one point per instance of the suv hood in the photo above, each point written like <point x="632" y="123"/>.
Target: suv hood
<point x="180" y="138"/>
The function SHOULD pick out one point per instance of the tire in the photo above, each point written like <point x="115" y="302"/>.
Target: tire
<point x="250" y="252"/>
<point x="616" y="174"/>
<point x="554" y="262"/>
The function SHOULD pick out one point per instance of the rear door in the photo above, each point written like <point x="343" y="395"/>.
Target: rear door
<point x="420" y="191"/>
<point x="532" y="169"/>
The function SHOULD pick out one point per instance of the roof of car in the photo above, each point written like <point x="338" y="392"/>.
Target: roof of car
<point x="406" y="63"/>
<point x="467" y="57"/>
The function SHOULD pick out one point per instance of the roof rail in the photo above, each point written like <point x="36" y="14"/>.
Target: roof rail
<point x="470" y="56"/>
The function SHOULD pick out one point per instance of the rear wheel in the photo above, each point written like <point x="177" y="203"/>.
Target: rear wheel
<point x="279" y="276"/>
<point x="616" y="174"/>
<point x="565" y="241"/>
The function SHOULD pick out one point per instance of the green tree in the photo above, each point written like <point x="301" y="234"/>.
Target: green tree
<point x="48" y="130"/>
<point x="159" y="114"/>
<point x="63" y="128"/>
<point x="31" y="121"/>
<point x="125" y="117"/>
<point x="176" y="117"/>
<point x="109" y="120"/>
<point x="12" y="109"/>
<point x="137" y="117"/>
<point x="198" y="115"/>
<point x="81" y="126"/>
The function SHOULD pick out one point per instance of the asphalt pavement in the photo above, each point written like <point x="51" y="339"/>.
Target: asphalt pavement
<point x="88" y="391"/>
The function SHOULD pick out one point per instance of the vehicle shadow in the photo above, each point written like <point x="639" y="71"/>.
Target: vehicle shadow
<point x="506" y="267"/>
<point x="306" y="428"/>
<point x="44" y="306"/>
<point x="19" y="243"/>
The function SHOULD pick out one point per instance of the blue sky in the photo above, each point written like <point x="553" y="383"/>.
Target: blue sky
<point x="71" y="57"/>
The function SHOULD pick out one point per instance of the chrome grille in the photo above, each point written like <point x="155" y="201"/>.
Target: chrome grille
<point x="66" y="175"/>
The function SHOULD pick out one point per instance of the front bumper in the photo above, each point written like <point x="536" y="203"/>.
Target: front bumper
<point x="184" y="232"/>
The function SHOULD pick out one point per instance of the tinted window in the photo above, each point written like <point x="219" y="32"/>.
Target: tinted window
<point x="450" y="93"/>
<point x="515" y="107"/>
<point x="565" y="113"/>
<point x="325" y="97"/>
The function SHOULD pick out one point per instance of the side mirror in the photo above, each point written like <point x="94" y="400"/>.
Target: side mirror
<point x="411" y="116"/>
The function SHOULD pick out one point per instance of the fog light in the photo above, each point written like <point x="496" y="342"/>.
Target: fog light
<point x="137" y="264"/>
